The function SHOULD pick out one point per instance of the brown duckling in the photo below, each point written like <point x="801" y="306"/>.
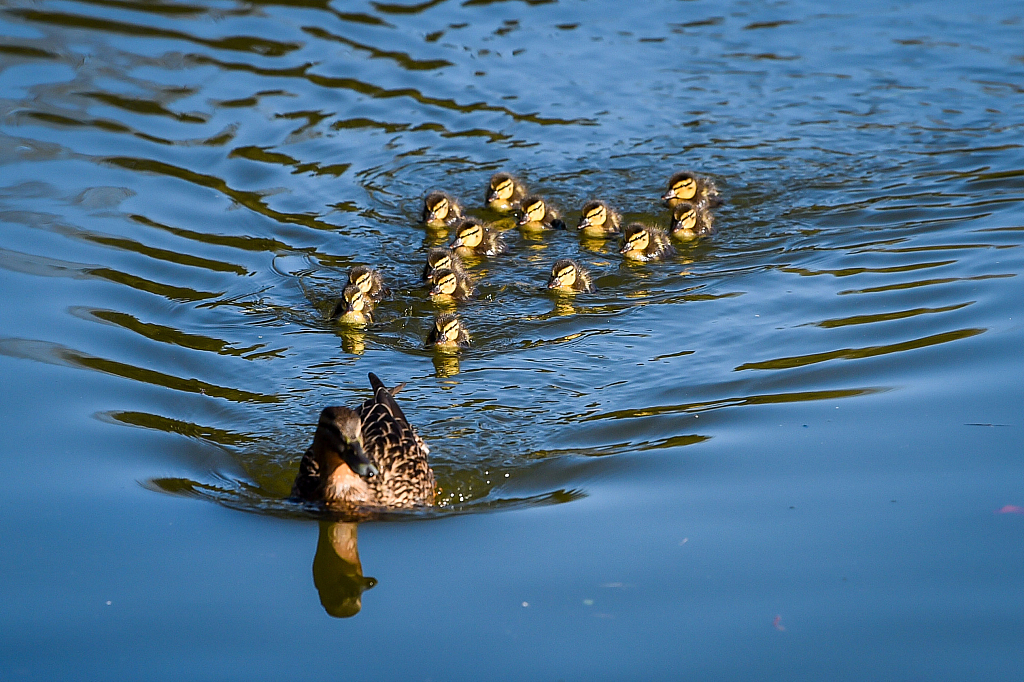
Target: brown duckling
<point x="597" y="219"/>
<point x="567" y="275"/>
<point x="448" y="285"/>
<point x="537" y="214"/>
<point x="687" y="186"/>
<point x="645" y="243"/>
<point x="370" y="282"/>
<point x="442" y="259"/>
<point x="355" y="307"/>
<point x="504" y="192"/>
<point x="448" y="332"/>
<point x="689" y="222"/>
<point x="369" y="457"/>
<point x="441" y="210"/>
<point x="473" y="238"/>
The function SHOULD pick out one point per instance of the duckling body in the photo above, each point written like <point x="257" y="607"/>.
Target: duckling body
<point x="567" y="275"/>
<point x="442" y="259"/>
<point x="645" y="243"/>
<point x="688" y="222"/>
<point x="367" y="457"/>
<point x="441" y="210"/>
<point x="355" y="307"/>
<point x="687" y="186"/>
<point x="370" y="282"/>
<point x="537" y="214"/>
<point x="449" y="285"/>
<point x="448" y="332"/>
<point x="504" y="193"/>
<point x="473" y="238"/>
<point x="598" y="219"/>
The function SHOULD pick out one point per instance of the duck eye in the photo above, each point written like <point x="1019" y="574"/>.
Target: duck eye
<point x="597" y="215"/>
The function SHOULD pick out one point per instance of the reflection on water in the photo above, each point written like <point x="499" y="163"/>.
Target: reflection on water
<point x="337" y="571"/>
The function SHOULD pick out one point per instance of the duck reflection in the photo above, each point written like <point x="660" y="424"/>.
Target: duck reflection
<point x="446" y="363"/>
<point x="337" y="571"/>
<point x="353" y="339"/>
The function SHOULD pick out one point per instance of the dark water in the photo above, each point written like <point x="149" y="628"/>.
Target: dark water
<point x="794" y="450"/>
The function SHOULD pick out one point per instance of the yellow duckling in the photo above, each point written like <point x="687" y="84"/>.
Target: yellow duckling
<point x="686" y="186"/>
<point x="442" y="259"/>
<point x="645" y="243"/>
<point x="441" y="210"/>
<point x="504" y="192"/>
<point x="447" y="285"/>
<point x="473" y="238"/>
<point x="688" y="222"/>
<point x="448" y="332"/>
<point x="537" y="214"/>
<point x="355" y="307"/>
<point x="370" y="282"/>
<point x="369" y="457"/>
<point x="567" y="275"/>
<point x="597" y="219"/>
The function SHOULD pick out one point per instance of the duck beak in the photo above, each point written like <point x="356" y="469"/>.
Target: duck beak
<point x="584" y="223"/>
<point x="668" y="195"/>
<point x="553" y="283"/>
<point x="523" y="219"/>
<point x="456" y="244"/>
<point x="360" y="464"/>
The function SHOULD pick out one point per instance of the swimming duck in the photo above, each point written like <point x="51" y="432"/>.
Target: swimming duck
<point x="442" y="259"/>
<point x="504" y="192"/>
<point x="597" y="219"/>
<point x="537" y="214"/>
<point x="567" y="275"/>
<point x="645" y="243"/>
<point x="447" y="285"/>
<point x="689" y="223"/>
<point x="370" y="282"/>
<point x="473" y="238"/>
<point x="355" y="307"/>
<point x="440" y="209"/>
<point x="686" y="186"/>
<point x="369" y="457"/>
<point x="448" y="332"/>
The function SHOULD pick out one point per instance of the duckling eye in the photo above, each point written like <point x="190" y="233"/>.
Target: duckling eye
<point x="441" y="203"/>
<point x="443" y="263"/>
<point x="361" y="280"/>
<point x="597" y="215"/>
<point x="451" y="329"/>
<point x="564" y="272"/>
<point x="472" y="232"/>
<point x="536" y="210"/>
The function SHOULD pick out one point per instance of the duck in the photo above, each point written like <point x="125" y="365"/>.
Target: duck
<point x="447" y="285"/>
<point x="441" y="210"/>
<point x="370" y="282"/>
<point x="367" y="458"/>
<point x="645" y="243"/>
<point x="689" y="222"/>
<point x="448" y="332"/>
<point x="567" y="275"/>
<point x="442" y="259"/>
<point x="473" y="238"/>
<point x="597" y="219"/>
<point x="537" y="214"/>
<point x="504" y="192"/>
<point x="687" y="186"/>
<point x="355" y="307"/>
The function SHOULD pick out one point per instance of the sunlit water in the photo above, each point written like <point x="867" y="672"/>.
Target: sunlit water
<point x="794" y="449"/>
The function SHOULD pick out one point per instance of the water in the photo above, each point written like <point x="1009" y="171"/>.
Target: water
<point x="792" y="450"/>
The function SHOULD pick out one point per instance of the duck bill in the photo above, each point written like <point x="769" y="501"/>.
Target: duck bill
<point x="668" y="196"/>
<point x="584" y="224"/>
<point x="626" y="248"/>
<point x="359" y="463"/>
<point x="523" y="220"/>
<point x="456" y="244"/>
<point x="554" y="283"/>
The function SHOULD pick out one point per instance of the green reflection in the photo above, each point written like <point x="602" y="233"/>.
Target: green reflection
<point x="167" y="425"/>
<point x="886" y="317"/>
<point x="922" y="283"/>
<point x="400" y="58"/>
<point x="170" y="335"/>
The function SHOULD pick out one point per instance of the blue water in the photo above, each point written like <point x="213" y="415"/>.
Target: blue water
<point x="792" y="450"/>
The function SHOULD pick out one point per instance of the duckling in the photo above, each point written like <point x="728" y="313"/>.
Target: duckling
<point x="442" y="259"/>
<point x="504" y="192"/>
<point x="449" y="285"/>
<point x="355" y="307"/>
<point x="597" y="219"/>
<point x="367" y="457"/>
<point x="686" y="186"/>
<point x="441" y="210"/>
<point x="473" y="238"/>
<point x="567" y="275"/>
<point x="644" y="243"/>
<point x="536" y="214"/>
<point x="448" y="332"/>
<point x="689" y="223"/>
<point x="370" y="282"/>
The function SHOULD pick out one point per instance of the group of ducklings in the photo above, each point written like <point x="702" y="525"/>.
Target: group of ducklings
<point x="371" y="458"/>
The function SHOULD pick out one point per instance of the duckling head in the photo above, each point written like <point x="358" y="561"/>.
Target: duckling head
<point x="437" y="259"/>
<point x="362" y="277"/>
<point x="436" y="208"/>
<point x="469" y="234"/>
<point x="684" y="220"/>
<point x="564" y="274"/>
<point x="681" y="187"/>
<point x="446" y="283"/>
<point x="594" y="217"/>
<point x="340" y="436"/>
<point x="501" y="188"/>
<point x="533" y="210"/>
<point x="448" y="330"/>
<point x="354" y="306"/>
<point x="635" y="239"/>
